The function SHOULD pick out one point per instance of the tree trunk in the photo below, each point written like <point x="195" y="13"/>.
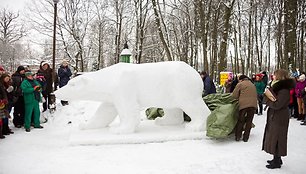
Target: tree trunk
<point x="223" y="46"/>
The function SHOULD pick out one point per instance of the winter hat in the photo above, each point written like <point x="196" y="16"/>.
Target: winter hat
<point x="64" y="62"/>
<point x="28" y="73"/>
<point x="302" y="77"/>
<point x="43" y="63"/>
<point x="20" y="68"/>
<point x="242" y="77"/>
<point x="1" y="68"/>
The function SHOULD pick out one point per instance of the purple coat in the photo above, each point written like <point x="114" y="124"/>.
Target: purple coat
<point x="299" y="88"/>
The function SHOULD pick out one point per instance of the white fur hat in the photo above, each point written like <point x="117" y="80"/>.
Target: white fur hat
<point x="302" y="77"/>
<point x="43" y="63"/>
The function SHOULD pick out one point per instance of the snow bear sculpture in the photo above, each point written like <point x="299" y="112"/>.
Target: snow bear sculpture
<point x="125" y="89"/>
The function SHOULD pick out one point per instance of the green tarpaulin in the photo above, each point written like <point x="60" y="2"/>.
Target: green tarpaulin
<point x="222" y="120"/>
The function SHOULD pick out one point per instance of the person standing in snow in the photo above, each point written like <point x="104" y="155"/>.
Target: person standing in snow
<point x="209" y="86"/>
<point x="260" y="88"/>
<point x="304" y="99"/>
<point x="245" y="92"/>
<point x="44" y="76"/>
<point x="3" y="109"/>
<point x="64" y="74"/>
<point x="300" y="85"/>
<point x="31" y="91"/>
<point x="18" y="100"/>
<point x="5" y="81"/>
<point x="276" y="129"/>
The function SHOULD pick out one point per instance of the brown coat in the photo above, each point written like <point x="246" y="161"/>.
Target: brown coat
<point x="245" y="92"/>
<point x="276" y="130"/>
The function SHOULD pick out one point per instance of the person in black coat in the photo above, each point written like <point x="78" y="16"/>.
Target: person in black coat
<point x="18" y="101"/>
<point x="64" y="74"/>
<point x="44" y="77"/>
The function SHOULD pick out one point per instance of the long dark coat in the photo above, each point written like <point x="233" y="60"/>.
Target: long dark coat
<point x="276" y="130"/>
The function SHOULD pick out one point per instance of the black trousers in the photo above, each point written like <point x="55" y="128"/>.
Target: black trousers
<point x="18" y="114"/>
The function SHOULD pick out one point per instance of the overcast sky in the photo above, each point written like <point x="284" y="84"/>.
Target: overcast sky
<point x="16" y="5"/>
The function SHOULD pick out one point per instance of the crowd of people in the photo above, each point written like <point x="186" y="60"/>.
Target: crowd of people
<point x="283" y="95"/>
<point x="22" y="92"/>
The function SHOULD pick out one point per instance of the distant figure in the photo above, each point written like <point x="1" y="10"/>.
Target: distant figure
<point x="209" y="86"/>
<point x="235" y="82"/>
<point x="64" y="74"/>
<point x="245" y="92"/>
<point x="228" y="84"/>
<point x="265" y="78"/>
<point x="260" y="88"/>
<point x="300" y="85"/>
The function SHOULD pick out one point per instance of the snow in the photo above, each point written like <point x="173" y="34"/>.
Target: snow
<point x="125" y="89"/>
<point x="51" y="150"/>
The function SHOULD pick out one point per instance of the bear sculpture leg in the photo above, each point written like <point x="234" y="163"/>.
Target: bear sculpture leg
<point x="197" y="111"/>
<point x="105" y="114"/>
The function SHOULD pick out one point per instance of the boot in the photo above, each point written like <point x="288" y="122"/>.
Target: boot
<point x="270" y="161"/>
<point x="275" y="163"/>
<point x="1" y="135"/>
<point x="300" y="117"/>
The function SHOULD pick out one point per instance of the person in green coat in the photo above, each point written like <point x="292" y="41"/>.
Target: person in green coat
<point x="260" y="88"/>
<point x="31" y="92"/>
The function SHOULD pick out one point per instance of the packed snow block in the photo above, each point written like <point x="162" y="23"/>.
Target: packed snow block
<point x="222" y="121"/>
<point x="125" y="89"/>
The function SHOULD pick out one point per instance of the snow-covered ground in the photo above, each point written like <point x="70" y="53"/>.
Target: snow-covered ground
<point x="53" y="150"/>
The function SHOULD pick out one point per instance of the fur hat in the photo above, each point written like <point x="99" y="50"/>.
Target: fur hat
<point x="302" y="77"/>
<point x="64" y="62"/>
<point x="42" y="63"/>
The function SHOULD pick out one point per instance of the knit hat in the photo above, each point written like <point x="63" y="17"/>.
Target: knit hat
<point x="20" y="68"/>
<point x="243" y="77"/>
<point x="1" y="68"/>
<point x="302" y="77"/>
<point x="28" y="73"/>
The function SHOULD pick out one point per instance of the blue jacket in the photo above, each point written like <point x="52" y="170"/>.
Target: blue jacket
<point x="209" y="86"/>
<point x="64" y="74"/>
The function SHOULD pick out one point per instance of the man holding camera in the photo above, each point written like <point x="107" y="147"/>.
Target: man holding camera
<point x="32" y="95"/>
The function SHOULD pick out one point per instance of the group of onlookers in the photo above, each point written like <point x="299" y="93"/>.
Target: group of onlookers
<point x="284" y="96"/>
<point x="288" y="100"/>
<point x="24" y="90"/>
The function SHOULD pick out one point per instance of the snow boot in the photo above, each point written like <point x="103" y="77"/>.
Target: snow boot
<point x="299" y="117"/>
<point x="1" y="135"/>
<point x="275" y="163"/>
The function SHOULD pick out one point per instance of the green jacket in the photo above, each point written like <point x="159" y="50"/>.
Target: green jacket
<point x="260" y="87"/>
<point x="28" y="91"/>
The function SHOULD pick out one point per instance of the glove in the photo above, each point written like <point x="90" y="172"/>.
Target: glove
<point x="10" y="89"/>
<point x="36" y="88"/>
